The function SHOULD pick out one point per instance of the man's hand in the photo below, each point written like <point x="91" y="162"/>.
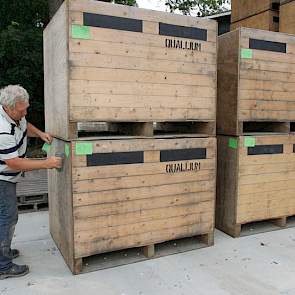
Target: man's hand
<point x="54" y="162"/>
<point x="46" y="137"/>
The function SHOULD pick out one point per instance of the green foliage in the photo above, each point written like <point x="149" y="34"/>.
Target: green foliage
<point x="21" y="50"/>
<point x="124" y="2"/>
<point x="203" y="7"/>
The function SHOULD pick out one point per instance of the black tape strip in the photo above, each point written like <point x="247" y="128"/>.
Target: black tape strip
<point x="183" y="154"/>
<point x="266" y="149"/>
<point x="106" y="159"/>
<point x="276" y="19"/>
<point x="112" y="22"/>
<point x="182" y="32"/>
<point x="267" y="45"/>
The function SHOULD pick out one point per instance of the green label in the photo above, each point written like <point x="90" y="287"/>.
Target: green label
<point x="246" y="53"/>
<point x="233" y="143"/>
<point x="67" y="150"/>
<point x="46" y="148"/>
<point x="83" y="148"/>
<point x="80" y="32"/>
<point x="249" y="141"/>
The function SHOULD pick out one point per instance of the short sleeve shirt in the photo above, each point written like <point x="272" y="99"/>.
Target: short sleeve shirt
<point x="13" y="144"/>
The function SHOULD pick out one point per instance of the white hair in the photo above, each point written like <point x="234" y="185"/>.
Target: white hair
<point x="11" y="94"/>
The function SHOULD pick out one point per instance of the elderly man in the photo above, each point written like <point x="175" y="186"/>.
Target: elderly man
<point x="14" y="101"/>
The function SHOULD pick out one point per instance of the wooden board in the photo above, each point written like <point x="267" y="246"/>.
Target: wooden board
<point x="255" y="180"/>
<point x="267" y="20"/>
<point x="131" y="65"/>
<point x="131" y="193"/>
<point x="241" y="9"/>
<point x="255" y="81"/>
<point x="287" y="20"/>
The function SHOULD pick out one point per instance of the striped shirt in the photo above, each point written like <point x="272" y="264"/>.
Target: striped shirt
<point x="13" y="144"/>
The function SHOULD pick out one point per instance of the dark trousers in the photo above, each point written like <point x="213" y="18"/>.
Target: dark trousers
<point x="8" y="220"/>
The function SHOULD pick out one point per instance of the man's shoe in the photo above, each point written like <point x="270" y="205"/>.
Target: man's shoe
<point x="14" y="271"/>
<point x="13" y="253"/>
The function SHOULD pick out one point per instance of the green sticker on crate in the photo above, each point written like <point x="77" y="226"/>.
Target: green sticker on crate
<point x="249" y="141"/>
<point x="46" y="148"/>
<point x="83" y="148"/>
<point x="233" y="143"/>
<point x="246" y="53"/>
<point x="80" y="32"/>
<point x="67" y="150"/>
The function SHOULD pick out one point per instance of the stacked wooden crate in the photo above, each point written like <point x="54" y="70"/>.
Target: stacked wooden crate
<point x="255" y="117"/>
<point x="287" y="16"/>
<point x="147" y="183"/>
<point x="262" y="14"/>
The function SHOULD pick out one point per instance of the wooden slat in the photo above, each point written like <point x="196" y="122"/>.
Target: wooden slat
<point x="120" y="195"/>
<point x="108" y="46"/>
<point x="139" y="181"/>
<point x="141" y="14"/>
<point x="121" y="208"/>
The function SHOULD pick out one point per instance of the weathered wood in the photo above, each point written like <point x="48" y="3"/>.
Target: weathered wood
<point x="116" y="73"/>
<point x="255" y="180"/>
<point x="255" y="82"/>
<point x="287" y="20"/>
<point x="241" y="9"/>
<point x="267" y="20"/>
<point x="133" y="192"/>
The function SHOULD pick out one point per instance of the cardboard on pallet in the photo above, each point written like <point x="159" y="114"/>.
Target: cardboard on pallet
<point x="256" y="82"/>
<point x="242" y="9"/>
<point x="118" y="193"/>
<point x="287" y="19"/>
<point x="115" y="63"/>
<point x="255" y="180"/>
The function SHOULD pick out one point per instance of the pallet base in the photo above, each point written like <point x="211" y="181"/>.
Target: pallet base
<point x="240" y="230"/>
<point x="148" y="129"/>
<point x="133" y="255"/>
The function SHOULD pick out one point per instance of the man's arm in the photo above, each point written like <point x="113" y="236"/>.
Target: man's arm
<point x="21" y="164"/>
<point x="35" y="132"/>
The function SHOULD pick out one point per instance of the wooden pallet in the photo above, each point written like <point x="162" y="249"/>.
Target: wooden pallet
<point x="133" y="255"/>
<point x="115" y="63"/>
<point x="255" y="180"/>
<point x="255" y="80"/>
<point x="149" y="129"/>
<point x="255" y="227"/>
<point x="32" y="207"/>
<point x="287" y="12"/>
<point x="117" y="193"/>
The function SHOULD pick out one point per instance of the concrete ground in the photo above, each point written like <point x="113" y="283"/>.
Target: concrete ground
<point x="258" y="264"/>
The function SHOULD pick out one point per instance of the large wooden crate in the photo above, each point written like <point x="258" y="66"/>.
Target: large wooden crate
<point x="242" y="9"/>
<point x="115" y="63"/>
<point x="255" y="180"/>
<point x="287" y="16"/>
<point x="256" y="82"/>
<point x="267" y="20"/>
<point x="130" y="193"/>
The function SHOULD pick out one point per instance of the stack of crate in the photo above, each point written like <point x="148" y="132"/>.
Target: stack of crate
<point x="262" y="14"/>
<point x="255" y="120"/>
<point x="287" y="16"/>
<point x="146" y="183"/>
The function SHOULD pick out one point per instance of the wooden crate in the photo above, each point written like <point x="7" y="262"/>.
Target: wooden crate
<point x="256" y="82"/>
<point x="115" y="63"/>
<point x="255" y="180"/>
<point x="287" y="19"/>
<point x="267" y="20"/>
<point x="129" y="193"/>
<point x="242" y="9"/>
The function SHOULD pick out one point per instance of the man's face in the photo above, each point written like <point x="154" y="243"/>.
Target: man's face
<point x="19" y="111"/>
